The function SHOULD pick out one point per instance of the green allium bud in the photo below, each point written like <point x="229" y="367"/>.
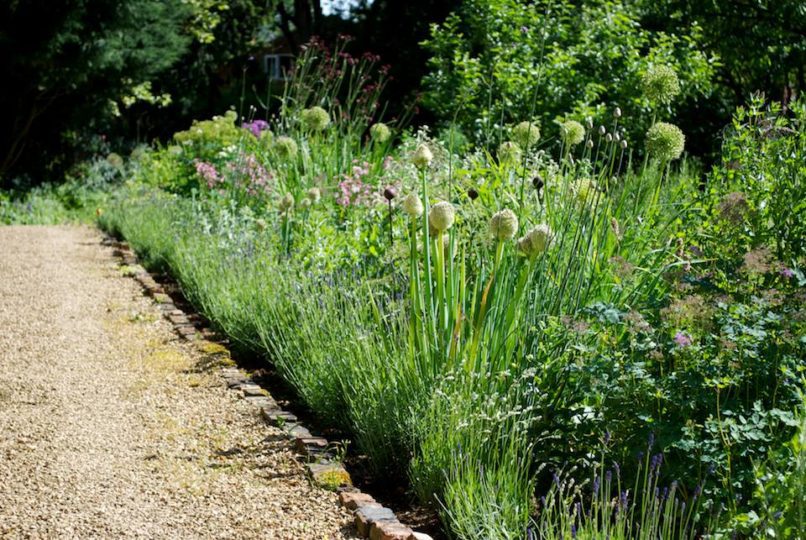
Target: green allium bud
<point x="526" y="134"/>
<point x="412" y="205"/>
<point x="315" y="118"/>
<point x="509" y="152"/>
<point x="572" y="132"/>
<point x="314" y="195"/>
<point x="504" y="224"/>
<point x="285" y="147"/>
<point x="422" y="156"/>
<point x="665" y="141"/>
<point x="660" y="84"/>
<point x="380" y="132"/>
<point x="442" y="216"/>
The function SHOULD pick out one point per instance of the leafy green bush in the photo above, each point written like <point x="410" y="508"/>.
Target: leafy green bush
<point x="495" y="63"/>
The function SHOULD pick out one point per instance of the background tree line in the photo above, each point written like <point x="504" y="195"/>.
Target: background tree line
<point x="90" y="76"/>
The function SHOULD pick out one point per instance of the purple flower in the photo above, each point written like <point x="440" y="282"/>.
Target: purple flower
<point x="787" y="272"/>
<point x="682" y="340"/>
<point x="256" y="127"/>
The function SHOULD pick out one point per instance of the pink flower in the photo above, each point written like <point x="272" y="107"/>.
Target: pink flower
<point x="682" y="340"/>
<point x="208" y="173"/>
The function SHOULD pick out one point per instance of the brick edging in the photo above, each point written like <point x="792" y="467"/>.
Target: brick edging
<point x="372" y="519"/>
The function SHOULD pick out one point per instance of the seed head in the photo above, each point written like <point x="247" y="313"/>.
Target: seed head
<point x="504" y="225"/>
<point x="472" y="194"/>
<point x="380" y="132"/>
<point x="572" y="132"/>
<point x="412" y="205"/>
<point x="665" y="141"/>
<point x="389" y="193"/>
<point x="442" y="216"/>
<point x="526" y="134"/>
<point x="315" y="119"/>
<point x="660" y="84"/>
<point x="422" y="157"/>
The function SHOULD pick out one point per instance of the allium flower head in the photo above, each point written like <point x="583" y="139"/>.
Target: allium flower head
<point x="422" y="156"/>
<point x="504" y="225"/>
<point x="442" y="216"/>
<point x="509" y="152"/>
<point x="286" y="203"/>
<point x="412" y="205"/>
<point x="315" y="118"/>
<point x="665" y="141"/>
<point x="584" y="191"/>
<point x="660" y="84"/>
<point x="540" y="238"/>
<point x="314" y="195"/>
<point x="305" y="203"/>
<point x="572" y="132"/>
<point x="380" y="132"/>
<point x="285" y="147"/>
<point x="526" y="134"/>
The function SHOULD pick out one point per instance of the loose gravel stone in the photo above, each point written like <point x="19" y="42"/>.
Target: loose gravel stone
<point x="108" y="430"/>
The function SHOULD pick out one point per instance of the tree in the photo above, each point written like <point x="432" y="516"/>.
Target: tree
<point x="67" y="64"/>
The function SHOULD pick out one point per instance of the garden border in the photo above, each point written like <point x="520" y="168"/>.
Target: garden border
<point x="372" y="519"/>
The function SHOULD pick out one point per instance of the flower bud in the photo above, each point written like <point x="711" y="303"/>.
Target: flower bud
<point x="412" y="205"/>
<point x="602" y="130"/>
<point x="624" y="144"/>
<point x="305" y="203"/>
<point x="389" y="193"/>
<point x="589" y="143"/>
<point x="472" y="194"/>
<point x="617" y="112"/>
<point x="609" y="137"/>
<point x="314" y="195"/>
<point x="504" y="225"/>
<point x="538" y="183"/>
<point x="442" y="216"/>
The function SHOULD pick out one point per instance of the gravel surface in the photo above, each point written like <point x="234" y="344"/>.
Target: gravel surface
<point x="106" y="428"/>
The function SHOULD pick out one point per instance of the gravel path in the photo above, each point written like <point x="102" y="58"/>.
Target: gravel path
<point x="106" y="431"/>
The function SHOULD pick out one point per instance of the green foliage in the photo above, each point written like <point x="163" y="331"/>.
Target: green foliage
<point x="501" y="62"/>
<point x="63" y="82"/>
